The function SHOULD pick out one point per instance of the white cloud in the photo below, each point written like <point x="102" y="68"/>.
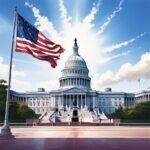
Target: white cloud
<point x="122" y="44"/>
<point x="80" y="31"/>
<point x="105" y="24"/>
<point x="48" y="84"/>
<point x="89" y="41"/>
<point x="105" y="59"/>
<point x="128" y="72"/>
<point x="44" y="24"/>
<point x="18" y="76"/>
<point x="91" y="16"/>
<point x="3" y="69"/>
<point x="20" y="85"/>
<point x="66" y="20"/>
<point x="25" y="62"/>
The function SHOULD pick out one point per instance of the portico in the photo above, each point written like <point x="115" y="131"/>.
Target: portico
<point x="73" y="100"/>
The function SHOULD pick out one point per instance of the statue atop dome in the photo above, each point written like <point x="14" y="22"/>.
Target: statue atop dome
<point x="75" y="47"/>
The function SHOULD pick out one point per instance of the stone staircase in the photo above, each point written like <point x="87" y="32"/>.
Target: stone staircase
<point x="86" y="115"/>
<point x="46" y="117"/>
<point x="62" y="116"/>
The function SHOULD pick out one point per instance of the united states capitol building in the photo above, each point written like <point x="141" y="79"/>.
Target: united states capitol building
<point x="74" y="99"/>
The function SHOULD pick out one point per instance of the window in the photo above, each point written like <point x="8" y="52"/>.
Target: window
<point x="33" y="103"/>
<point x="38" y="103"/>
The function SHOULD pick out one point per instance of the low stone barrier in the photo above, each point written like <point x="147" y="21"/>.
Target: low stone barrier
<point x="76" y="124"/>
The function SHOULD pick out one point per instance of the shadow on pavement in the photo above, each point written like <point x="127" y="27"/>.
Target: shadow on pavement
<point x="75" y="144"/>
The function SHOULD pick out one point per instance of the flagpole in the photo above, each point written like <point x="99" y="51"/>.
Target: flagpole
<point x="6" y="130"/>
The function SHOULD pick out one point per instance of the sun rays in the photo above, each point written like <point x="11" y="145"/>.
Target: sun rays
<point x="90" y="38"/>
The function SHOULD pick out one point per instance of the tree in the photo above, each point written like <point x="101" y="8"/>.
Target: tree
<point x="138" y="112"/>
<point x="25" y="112"/>
<point x="3" y="92"/>
<point x="17" y="112"/>
<point x="120" y="113"/>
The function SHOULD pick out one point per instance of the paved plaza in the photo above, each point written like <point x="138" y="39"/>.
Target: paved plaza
<point x="78" y="137"/>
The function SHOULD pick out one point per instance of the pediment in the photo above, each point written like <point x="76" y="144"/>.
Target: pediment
<point x="75" y="90"/>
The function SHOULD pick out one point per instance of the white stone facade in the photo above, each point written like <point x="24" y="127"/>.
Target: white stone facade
<point x="142" y="96"/>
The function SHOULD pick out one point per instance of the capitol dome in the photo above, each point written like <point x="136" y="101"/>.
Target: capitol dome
<point x="75" y="72"/>
<point x="75" y="61"/>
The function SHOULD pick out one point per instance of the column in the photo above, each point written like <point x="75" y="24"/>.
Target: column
<point x="60" y="101"/>
<point x="77" y="101"/>
<point x="93" y="101"/>
<point x="73" y="100"/>
<point x="66" y="101"/>
<point x="69" y="82"/>
<point x="81" y="102"/>
<point x="63" y="100"/>
<point x="69" y="101"/>
<point x="85" y="101"/>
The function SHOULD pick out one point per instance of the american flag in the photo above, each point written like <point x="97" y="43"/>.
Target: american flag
<point x="31" y="41"/>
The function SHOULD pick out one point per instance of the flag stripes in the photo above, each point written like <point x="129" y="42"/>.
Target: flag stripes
<point x="31" y="41"/>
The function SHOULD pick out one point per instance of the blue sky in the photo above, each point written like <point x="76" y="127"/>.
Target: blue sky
<point x="113" y="36"/>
